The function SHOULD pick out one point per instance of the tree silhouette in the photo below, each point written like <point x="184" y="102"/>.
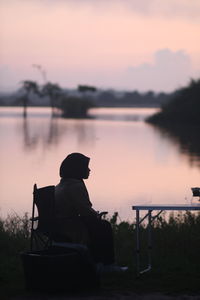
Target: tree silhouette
<point x="183" y="108"/>
<point x="28" y="87"/>
<point x="86" y="88"/>
<point x="75" y="107"/>
<point x="53" y="91"/>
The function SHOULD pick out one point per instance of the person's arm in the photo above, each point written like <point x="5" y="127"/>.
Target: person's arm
<point x="82" y="202"/>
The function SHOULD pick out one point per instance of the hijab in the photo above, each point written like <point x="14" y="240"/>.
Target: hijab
<point x="75" y="165"/>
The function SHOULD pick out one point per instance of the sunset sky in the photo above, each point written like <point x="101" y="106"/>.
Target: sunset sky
<point x="120" y="44"/>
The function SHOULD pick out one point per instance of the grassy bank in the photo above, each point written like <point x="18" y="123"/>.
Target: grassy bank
<point x="14" y="238"/>
<point x="176" y="266"/>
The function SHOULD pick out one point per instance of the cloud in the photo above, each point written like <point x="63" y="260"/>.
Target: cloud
<point x="168" y="9"/>
<point x="169" y="71"/>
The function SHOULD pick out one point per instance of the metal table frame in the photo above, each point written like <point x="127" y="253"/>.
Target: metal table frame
<point x="150" y="217"/>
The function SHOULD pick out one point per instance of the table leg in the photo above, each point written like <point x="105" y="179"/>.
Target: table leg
<point x="138" y="242"/>
<point x="149" y="239"/>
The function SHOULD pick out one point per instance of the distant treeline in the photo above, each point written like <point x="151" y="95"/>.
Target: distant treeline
<point x="131" y="99"/>
<point x="99" y="97"/>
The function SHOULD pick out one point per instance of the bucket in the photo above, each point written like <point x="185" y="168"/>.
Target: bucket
<point x="59" y="269"/>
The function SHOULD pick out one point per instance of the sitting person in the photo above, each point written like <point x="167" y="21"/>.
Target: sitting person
<point x="75" y="217"/>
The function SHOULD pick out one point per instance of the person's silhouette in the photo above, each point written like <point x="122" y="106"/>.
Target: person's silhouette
<point x="74" y="213"/>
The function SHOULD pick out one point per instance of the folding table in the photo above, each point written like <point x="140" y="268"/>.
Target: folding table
<point x="150" y="217"/>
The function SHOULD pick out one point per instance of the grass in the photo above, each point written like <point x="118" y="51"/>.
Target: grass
<point x="14" y="238"/>
<point x="175" y="256"/>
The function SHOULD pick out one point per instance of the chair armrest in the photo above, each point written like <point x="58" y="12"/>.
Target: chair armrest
<point x="34" y="219"/>
<point x="103" y="213"/>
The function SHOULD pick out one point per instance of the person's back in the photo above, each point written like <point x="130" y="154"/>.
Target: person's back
<point x="68" y="222"/>
<point x="71" y="198"/>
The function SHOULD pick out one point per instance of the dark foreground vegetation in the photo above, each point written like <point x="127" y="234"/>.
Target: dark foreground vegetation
<point x="183" y="109"/>
<point x="176" y="264"/>
<point x="179" y="119"/>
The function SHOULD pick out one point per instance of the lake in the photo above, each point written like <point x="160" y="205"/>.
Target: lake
<point x="132" y="162"/>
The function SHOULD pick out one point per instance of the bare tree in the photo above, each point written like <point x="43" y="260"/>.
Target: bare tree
<point x="53" y="91"/>
<point x="28" y="87"/>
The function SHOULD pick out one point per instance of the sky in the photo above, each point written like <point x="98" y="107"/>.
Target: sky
<point x="121" y="44"/>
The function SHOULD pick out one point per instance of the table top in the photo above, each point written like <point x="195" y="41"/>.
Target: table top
<point x="192" y="206"/>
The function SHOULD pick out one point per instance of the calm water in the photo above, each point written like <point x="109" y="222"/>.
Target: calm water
<point x="131" y="161"/>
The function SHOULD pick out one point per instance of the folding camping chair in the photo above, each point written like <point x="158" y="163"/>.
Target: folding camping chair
<point x="43" y="225"/>
<point x="52" y="263"/>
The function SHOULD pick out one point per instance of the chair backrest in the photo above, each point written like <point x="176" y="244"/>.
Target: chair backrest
<point x="44" y="199"/>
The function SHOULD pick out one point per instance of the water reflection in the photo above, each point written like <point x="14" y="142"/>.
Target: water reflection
<point x="44" y="133"/>
<point x="131" y="162"/>
<point x="121" y="114"/>
<point x="186" y="138"/>
<point x="37" y="133"/>
<point x="85" y="132"/>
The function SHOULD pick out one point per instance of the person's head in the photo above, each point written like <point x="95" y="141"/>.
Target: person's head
<point x="75" y="165"/>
